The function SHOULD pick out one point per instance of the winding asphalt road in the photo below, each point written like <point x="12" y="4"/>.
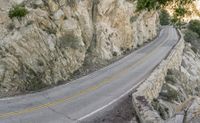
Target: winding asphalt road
<point x="82" y="99"/>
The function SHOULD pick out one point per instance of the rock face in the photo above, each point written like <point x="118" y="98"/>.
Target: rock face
<point x="193" y="10"/>
<point x="172" y="96"/>
<point x="55" y="37"/>
<point x="145" y="100"/>
<point x="186" y="83"/>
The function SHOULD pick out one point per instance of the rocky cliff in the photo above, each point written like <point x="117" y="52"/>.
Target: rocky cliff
<point x="192" y="10"/>
<point x="57" y="37"/>
<point x="172" y="92"/>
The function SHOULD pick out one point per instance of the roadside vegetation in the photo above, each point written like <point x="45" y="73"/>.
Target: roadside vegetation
<point x="18" y="11"/>
<point x="194" y="25"/>
<point x="157" y="4"/>
<point x="179" y="13"/>
<point x="179" y="10"/>
<point x="164" y="17"/>
<point x="192" y="35"/>
<point x="151" y="4"/>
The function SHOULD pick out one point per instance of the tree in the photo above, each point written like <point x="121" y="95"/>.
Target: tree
<point x="194" y="25"/>
<point x="164" y="17"/>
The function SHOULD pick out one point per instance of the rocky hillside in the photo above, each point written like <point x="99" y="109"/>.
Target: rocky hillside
<point x="56" y="37"/>
<point x="180" y="96"/>
<point x="172" y="92"/>
<point x="192" y="10"/>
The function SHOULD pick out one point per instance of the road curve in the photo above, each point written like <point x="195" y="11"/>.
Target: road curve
<point x="82" y="99"/>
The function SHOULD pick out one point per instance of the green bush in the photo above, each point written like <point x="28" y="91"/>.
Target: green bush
<point x="18" y="11"/>
<point x="164" y="17"/>
<point x="180" y="11"/>
<point x="162" y="109"/>
<point x="194" y="25"/>
<point x="190" y="36"/>
<point x="146" y="4"/>
<point x="171" y="79"/>
<point x="151" y="4"/>
<point x="168" y="93"/>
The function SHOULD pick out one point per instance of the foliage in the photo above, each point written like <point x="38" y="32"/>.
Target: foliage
<point x="194" y="25"/>
<point x="146" y="4"/>
<point x="190" y="36"/>
<point x="183" y="2"/>
<point x="164" y="2"/>
<point x="168" y="93"/>
<point x="151" y="4"/>
<point x="164" y="17"/>
<point x="171" y="79"/>
<point x="161" y="109"/>
<point x="18" y="11"/>
<point x="193" y="38"/>
<point x="155" y="4"/>
<point x="180" y="11"/>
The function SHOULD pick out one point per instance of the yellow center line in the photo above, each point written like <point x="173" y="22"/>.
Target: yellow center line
<point x="80" y="93"/>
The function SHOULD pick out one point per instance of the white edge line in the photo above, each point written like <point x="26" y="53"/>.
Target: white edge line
<point x="57" y="87"/>
<point x="112" y="102"/>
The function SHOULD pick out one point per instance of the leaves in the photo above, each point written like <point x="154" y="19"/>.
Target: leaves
<point x="18" y="11"/>
<point x="155" y="4"/>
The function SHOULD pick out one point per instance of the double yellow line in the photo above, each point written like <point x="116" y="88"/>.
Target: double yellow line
<point x="80" y="93"/>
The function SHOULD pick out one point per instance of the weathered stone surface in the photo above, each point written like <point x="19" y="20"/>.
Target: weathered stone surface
<point x="192" y="10"/>
<point x="54" y="38"/>
<point x="191" y="64"/>
<point x="116" y="30"/>
<point x="193" y="111"/>
<point x="151" y="87"/>
<point x="189" y="112"/>
<point x="169" y="96"/>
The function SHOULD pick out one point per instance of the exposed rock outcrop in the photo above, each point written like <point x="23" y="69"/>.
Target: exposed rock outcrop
<point x="189" y="112"/>
<point x="149" y="90"/>
<point x="171" y="97"/>
<point x="56" y="37"/>
<point x="191" y="8"/>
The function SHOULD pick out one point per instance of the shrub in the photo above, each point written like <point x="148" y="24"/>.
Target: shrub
<point x="146" y="4"/>
<point x="162" y="109"/>
<point x="180" y="11"/>
<point x="171" y="79"/>
<point x="168" y="93"/>
<point x="18" y="11"/>
<point x="151" y="4"/>
<point x="190" y="36"/>
<point x="194" y="25"/>
<point x="164" y="17"/>
<point x="174" y="19"/>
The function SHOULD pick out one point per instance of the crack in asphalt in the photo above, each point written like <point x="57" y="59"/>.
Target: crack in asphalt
<point x="62" y="114"/>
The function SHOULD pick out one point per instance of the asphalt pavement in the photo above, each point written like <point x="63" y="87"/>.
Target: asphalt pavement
<point x="82" y="99"/>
